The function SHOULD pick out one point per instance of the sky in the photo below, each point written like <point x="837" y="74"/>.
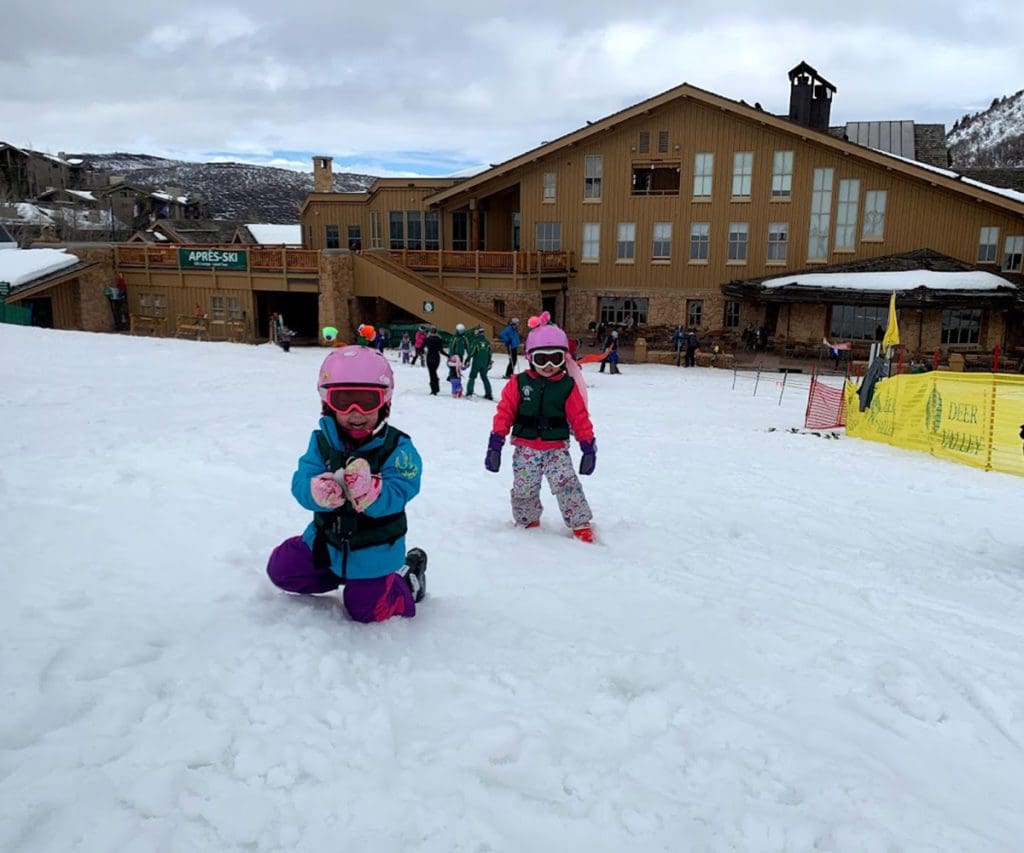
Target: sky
<point x="780" y="641"/>
<point x="451" y="87"/>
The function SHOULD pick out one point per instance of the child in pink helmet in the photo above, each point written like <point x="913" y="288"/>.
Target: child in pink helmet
<point x="356" y="477"/>
<point x="542" y="406"/>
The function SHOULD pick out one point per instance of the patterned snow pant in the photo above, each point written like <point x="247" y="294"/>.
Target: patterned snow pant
<point x="529" y="467"/>
<point x="366" y="599"/>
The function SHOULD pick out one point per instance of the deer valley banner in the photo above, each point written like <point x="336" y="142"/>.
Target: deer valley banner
<point x="970" y="418"/>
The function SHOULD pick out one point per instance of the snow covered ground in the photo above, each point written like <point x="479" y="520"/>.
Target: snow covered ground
<point x="781" y="643"/>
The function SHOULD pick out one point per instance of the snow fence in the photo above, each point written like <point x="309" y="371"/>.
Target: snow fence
<point x="973" y="418"/>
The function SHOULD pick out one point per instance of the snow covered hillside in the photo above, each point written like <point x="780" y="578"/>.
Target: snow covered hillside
<point x="993" y="138"/>
<point x="780" y="643"/>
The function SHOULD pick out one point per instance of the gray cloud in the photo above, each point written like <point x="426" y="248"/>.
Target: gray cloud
<point x="366" y="82"/>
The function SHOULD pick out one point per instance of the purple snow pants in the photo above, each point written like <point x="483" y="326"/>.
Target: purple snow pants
<point x="366" y="599"/>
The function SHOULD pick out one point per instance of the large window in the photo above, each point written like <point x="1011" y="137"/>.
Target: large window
<point x="593" y="167"/>
<point x="1012" y="253"/>
<point x="396" y="229"/>
<point x="432" y="230"/>
<point x="622" y="311"/>
<point x="591" y="241"/>
<point x="874" y="215"/>
<point x="549" y="236"/>
<point x="782" y="174"/>
<point x="549" y="186"/>
<point x="778" y="241"/>
<point x="988" y="245"/>
<point x="739" y="233"/>
<point x="731" y="316"/>
<point x="858" y="322"/>
<point x="742" y="173"/>
<point x="694" y="312"/>
<point x="961" y="326"/>
<point x="661" y="250"/>
<point x="846" y="215"/>
<point x="460" y="230"/>
<point x="332" y="237"/>
<point x="703" y="173"/>
<point x="821" y="206"/>
<point x="416" y="229"/>
<point x="700" y="233"/>
<point x="374" y="229"/>
<point x="656" y="179"/>
<point x="625" y="242"/>
<point x="413" y="230"/>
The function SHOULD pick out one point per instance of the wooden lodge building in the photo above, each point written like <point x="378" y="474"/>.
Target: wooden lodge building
<point x="672" y="211"/>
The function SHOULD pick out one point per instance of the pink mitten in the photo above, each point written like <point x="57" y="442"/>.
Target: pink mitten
<point x="361" y="487"/>
<point x="326" y="491"/>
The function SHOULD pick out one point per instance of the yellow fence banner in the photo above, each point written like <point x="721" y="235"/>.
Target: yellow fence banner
<point x="973" y="418"/>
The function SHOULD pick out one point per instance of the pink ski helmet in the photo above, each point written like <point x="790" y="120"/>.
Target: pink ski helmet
<point x="356" y="365"/>
<point x="544" y="335"/>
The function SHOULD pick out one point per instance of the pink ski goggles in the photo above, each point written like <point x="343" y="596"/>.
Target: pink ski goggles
<point x="363" y="398"/>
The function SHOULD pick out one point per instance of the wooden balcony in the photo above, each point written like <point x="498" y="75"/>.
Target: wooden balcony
<point x="259" y="259"/>
<point x="526" y="264"/>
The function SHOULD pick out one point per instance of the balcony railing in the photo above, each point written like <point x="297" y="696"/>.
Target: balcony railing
<point x="499" y="263"/>
<point x="259" y="260"/>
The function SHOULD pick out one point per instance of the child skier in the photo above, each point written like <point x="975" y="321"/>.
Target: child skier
<point x="541" y="406"/>
<point x="455" y="375"/>
<point x="356" y="476"/>
<point x="405" y="347"/>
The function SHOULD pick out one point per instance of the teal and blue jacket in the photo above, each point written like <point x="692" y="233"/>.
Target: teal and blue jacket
<point x="400" y="482"/>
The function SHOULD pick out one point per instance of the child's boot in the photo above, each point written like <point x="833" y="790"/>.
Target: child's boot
<point x="584" y="533"/>
<point x="415" y="572"/>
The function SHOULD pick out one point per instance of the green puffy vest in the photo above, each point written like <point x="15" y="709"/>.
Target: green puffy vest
<point x="345" y="528"/>
<point x="541" y="412"/>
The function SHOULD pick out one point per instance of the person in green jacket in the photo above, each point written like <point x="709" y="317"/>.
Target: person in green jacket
<point x="459" y="346"/>
<point x="480" y="362"/>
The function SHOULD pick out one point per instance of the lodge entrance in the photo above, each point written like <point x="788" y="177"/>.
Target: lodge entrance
<point x="301" y="312"/>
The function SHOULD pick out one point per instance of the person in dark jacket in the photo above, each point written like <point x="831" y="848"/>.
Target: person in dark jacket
<point x="479" y="361"/>
<point x="691" y="348"/>
<point x="510" y="338"/>
<point x="611" y="353"/>
<point x="434" y="348"/>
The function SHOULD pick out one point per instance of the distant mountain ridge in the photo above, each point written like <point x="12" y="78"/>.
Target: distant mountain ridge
<point x="239" y="191"/>
<point x="992" y="138"/>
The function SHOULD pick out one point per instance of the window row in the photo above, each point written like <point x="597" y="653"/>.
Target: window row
<point x="988" y="249"/>
<point x="868" y="322"/>
<point x="549" y="239"/>
<point x="662" y="178"/>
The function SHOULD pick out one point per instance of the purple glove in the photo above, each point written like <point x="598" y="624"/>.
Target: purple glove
<point x="326" y="492"/>
<point x="589" y="458"/>
<point x="492" y="461"/>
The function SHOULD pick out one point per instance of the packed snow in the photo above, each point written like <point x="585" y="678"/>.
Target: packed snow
<point x="782" y="641"/>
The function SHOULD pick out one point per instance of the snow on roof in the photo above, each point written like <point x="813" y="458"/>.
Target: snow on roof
<point x="88" y="196"/>
<point x="956" y="176"/>
<point x="28" y="213"/>
<point x="20" y="266"/>
<point x="900" y="280"/>
<point x="290" y="235"/>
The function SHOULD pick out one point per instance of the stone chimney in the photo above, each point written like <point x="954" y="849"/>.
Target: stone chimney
<point x="323" y="176"/>
<point x="810" y="98"/>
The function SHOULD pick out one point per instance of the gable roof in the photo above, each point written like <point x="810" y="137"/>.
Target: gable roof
<point x="946" y="179"/>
